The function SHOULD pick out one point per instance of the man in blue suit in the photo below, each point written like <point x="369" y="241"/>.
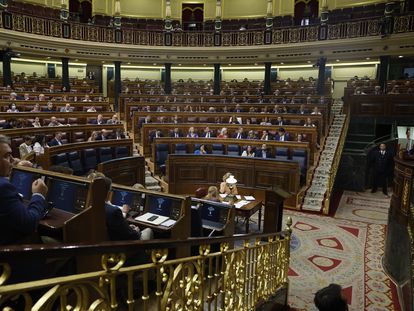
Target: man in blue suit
<point x="282" y="135"/>
<point x="17" y="221"/>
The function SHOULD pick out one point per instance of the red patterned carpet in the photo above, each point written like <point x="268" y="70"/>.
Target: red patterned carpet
<point x="346" y="249"/>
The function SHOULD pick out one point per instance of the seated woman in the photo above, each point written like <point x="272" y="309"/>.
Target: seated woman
<point x="213" y="194"/>
<point x="248" y="152"/>
<point x="224" y="188"/>
<point x="201" y="150"/>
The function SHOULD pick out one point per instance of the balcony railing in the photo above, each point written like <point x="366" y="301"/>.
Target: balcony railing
<point x="298" y="34"/>
<point x="220" y="277"/>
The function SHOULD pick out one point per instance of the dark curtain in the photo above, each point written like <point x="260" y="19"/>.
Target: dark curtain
<point x="80" y="10"/>
<point x="306" y="9"/>
<point x="193" y="16"/>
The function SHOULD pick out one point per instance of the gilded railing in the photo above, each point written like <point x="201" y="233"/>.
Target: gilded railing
<point x="229" y="278"/>
<point x="335" y="165"/>
<point x="296" y="34"/>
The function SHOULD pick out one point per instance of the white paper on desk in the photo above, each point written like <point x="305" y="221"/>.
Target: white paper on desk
<point x="223" y="195"/>
<point x="238" y="197"/>
<point x="168" y="223"/>
<point x="249" y="198"/>
<point x="241" y="203"/>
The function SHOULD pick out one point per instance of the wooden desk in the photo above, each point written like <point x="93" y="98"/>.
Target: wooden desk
<point x="249" y="210"/>
<point x="223" y="118"/>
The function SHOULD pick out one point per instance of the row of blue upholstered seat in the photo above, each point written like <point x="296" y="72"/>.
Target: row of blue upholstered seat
<point x="82" y="161"/>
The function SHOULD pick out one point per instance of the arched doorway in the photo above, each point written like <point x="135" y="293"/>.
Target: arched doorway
<point x="306" y="11"/>
<point x="192" y="16"/>
<point x="80" y="10"/>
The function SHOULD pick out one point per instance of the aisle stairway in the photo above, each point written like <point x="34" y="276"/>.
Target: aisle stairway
<point x="318" y="193"/>
<point x="150" y="182"/>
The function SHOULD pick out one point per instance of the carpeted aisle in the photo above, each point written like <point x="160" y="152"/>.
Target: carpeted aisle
<point x="347" y="250"/>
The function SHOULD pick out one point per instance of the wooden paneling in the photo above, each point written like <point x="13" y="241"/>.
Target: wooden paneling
<point x="250" y="172"/>
<point x="125" y="171"/>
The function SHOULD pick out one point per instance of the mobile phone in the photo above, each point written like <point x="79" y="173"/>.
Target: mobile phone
<point x="152" y="218"/>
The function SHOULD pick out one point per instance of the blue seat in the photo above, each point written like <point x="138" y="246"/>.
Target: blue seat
<point x="217" y="149"/>
<point x="281" y="153"/>
<point x="105" y="154"/>
<point x="89" y="159"/>
<point x="75" y="162"/>
<point x="61" y="159"/>
<point x="121" y="152"/>
<point x="233" y="150"/>
<point x="180" y="149"/>
<point x="161" y="155"/>
<point x="300" y="156"/>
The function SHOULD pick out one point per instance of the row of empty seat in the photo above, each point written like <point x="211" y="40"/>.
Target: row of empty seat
<point x="84" y="160"/>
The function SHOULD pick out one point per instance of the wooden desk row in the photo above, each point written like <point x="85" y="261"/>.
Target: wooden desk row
<point x="210" y="99"/>
<point x="222" y="119"/>
<point x="186" y="173"/>
<point x="130" y="107"/>
<point x="74" y="133"/>
<point x="93" y="96"/>
<point x="272" y="147"/>
<point x="46" y="160"/>
<point x="391" y="105"/>
<point x="147" y="129"/>
<point x="28" y="105"/>
<point x="27" y="118"/>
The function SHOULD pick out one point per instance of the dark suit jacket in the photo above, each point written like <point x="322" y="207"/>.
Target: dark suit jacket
<point x="54" y="142"/>
<point x="259" y="154"/>
<point x="211" y="134"/>
<point x="287" y="137"/>
<point x="382" y="164"/>
<point x="99" y="137"/>
<point x="118" y="227"/>
<point x="243" y="136"/>
<point x="94" y="121"/>
<point x="172" y="134"/>
<point x="16" y="220"/>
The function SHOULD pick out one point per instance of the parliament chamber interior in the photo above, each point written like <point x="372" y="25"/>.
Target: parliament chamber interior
<point x="207" y="155"/>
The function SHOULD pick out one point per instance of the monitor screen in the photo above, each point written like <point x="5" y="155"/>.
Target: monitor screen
<point x="163" y="206"/>
<point x="212" y="211"/>
<point x="409" y="72"/>
<point x="23" y="180"/>
<point x="133" y="199"/>
<point x="67" y="195"/>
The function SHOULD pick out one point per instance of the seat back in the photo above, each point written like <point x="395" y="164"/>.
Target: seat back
<point x="161" y="153"/>
<point x="75" y="163"/>
<point x="217" y="149"/>
<point x="89" y="159"/>
<point x="105" y="154"/>
<point x="233" y="150"/>
<point x="121" y="152"/>
<point x="61" y="159"/>
<point x="180" y="149"/>
<point x="281" y="153"/>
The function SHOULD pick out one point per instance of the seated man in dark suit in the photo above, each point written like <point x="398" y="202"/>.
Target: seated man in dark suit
<point x="99" y="120"/>
<point x="104" y="135"/>
<point x="176" y="133"/>
<point x="155" y="134"/>
<point x="239" y="134"/>
<point x="17" y="221"/>
<point x="280" y="121"/>
<point x="207" y="133"/>
<point x="263" y="152"/>
<point x="56" y="141"/>
<point x="282" y="135"/>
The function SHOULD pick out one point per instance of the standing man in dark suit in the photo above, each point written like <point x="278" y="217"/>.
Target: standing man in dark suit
<point x="382" y="163"/>
<point x="17" y="221"/>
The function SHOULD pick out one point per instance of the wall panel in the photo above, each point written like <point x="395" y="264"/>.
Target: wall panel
<point x="194" y="74"/>
<point x="240" y="74"/>
<point x="296" y="73"/>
